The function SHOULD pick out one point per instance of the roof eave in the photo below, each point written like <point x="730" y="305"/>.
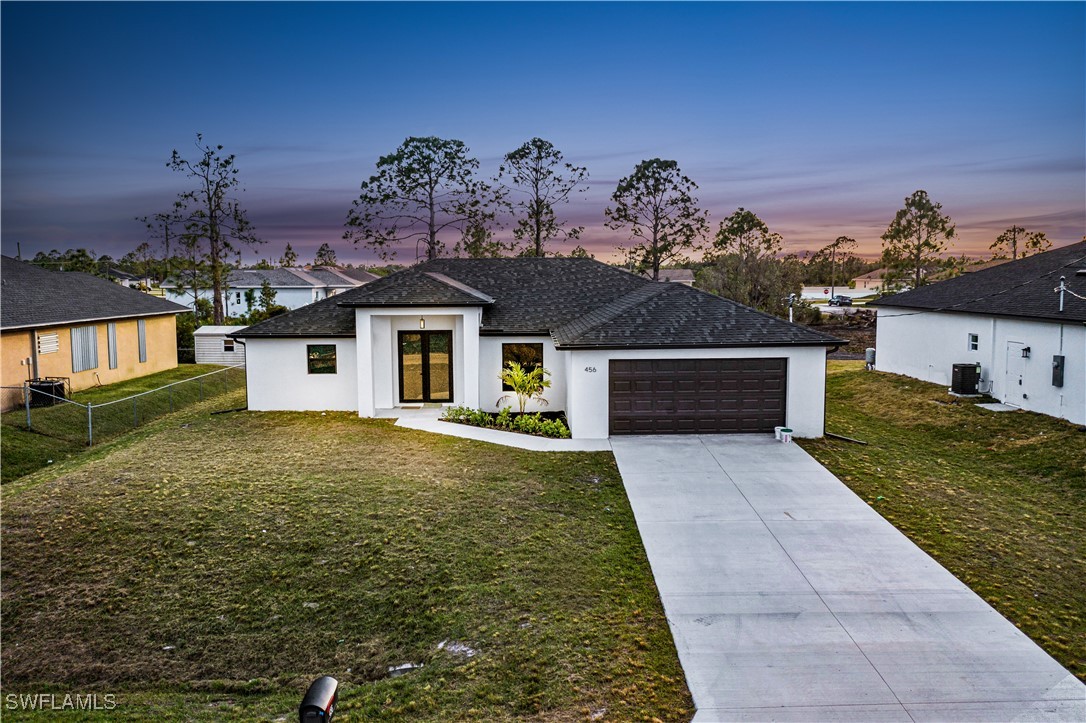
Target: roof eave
<point x="45" y="324"/>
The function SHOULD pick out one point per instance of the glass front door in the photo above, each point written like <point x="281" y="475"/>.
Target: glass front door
<point x="426" y="366"/>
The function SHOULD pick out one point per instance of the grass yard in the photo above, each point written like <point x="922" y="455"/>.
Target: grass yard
<point x="209" y="567"/>
<point x="999" y="499"/>
<point x="24" y="451"/>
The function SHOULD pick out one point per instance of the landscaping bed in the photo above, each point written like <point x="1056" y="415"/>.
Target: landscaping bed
<point x="210" y="567"/>
<point x="999" y="499"/>
<point x="539" y="424"/>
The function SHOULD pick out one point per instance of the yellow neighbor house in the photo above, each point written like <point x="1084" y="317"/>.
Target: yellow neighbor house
<point x="80" y="328"/>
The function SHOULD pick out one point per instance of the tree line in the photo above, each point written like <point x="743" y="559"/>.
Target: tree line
<point x="428" y="193"/>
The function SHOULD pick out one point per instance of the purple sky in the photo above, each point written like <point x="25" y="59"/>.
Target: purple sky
<point x="820" y="118"/>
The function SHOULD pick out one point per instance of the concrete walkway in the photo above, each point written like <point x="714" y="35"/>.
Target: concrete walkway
<point x="427" y="419"/>
<point x="790" y="599"/>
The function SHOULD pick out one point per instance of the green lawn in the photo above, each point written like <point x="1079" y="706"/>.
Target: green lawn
<point x="60" y="431"/>
<point x="998" y="498"/>
<point x="210" y="567"/>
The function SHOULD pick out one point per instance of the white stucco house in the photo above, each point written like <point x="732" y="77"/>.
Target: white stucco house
<point x="1028" y="337"/>
<point x="294" y="287"/>
<point x="626" y="355"/>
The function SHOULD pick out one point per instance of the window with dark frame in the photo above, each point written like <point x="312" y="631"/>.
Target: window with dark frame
<point x="528" y="356"/>
<point x="321" y="358"/>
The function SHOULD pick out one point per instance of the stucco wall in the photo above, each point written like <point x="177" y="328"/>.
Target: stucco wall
<point x="490" y="364"/>
<point x="15" y="349"/>
<point x="378" y="332"/>
<point x="161" y="353"/>
<point x="926" y="345"/>
<point x="587" y="390"/>
<point x="290" y="297"/>
<point x="277" y="376"/>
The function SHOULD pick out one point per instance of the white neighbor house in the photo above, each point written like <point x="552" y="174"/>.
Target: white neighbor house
<point x="294" y="287"/>
<point x="1027" y="337"/>
<point x="626" y="355"/>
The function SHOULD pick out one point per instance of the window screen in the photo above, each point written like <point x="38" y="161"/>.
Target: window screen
<point x="528" y="356"/>
<point x="84" y="348"/>
<point x="111" y="337"/>
<point x="321" y="358"/>
<point x="142" y="327"/>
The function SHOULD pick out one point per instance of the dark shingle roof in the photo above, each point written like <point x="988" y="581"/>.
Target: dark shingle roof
<point x="31" y="296"/>
<point x="584" y="303"/>
<point x="331" y="278"/>
<point x="321" y="318"/>
<point x="674" y="315"/>
<point x="415" y="287"/>
<point x="1023" y="288"/>
<point x="358" y="274"/>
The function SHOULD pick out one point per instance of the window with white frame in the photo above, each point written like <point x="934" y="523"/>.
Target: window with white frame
<point x="974" y="342"/>
<point x="228" y="345"/>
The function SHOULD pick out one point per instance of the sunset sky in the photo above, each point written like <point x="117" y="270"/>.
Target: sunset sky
<point x="821" y="118"/>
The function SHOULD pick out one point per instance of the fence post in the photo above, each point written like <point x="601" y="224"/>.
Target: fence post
<point x="171" y="398"/>
<point x="26" y="401"/>
<point x="201" y="385"/>
<point x="135" y="419"/>
<point x="90" y="425"/>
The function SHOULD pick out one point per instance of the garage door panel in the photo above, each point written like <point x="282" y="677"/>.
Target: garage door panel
<point x="697" y="396"/>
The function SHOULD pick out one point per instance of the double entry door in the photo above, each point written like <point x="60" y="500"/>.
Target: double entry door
<point x="426" y="370"/>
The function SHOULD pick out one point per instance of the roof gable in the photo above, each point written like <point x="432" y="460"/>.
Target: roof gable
<point x="1023" y="288"/>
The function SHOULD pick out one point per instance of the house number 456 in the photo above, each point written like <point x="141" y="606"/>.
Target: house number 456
<point x="590" y="370"/>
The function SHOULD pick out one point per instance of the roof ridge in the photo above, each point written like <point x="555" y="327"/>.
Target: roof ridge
<point x="459" y="286"/>
<point x="615" y="308"/>
<point x="304" y="276"/>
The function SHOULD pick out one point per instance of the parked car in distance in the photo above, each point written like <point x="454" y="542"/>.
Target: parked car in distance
<point x="841" y="300"/>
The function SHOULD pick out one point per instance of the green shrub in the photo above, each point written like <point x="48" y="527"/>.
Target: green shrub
<point x="524" y="423"/>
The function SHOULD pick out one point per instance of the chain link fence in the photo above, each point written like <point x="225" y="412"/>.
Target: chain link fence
<point x="55" y="416"/>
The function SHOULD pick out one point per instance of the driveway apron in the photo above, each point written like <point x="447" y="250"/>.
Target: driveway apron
<point x="790" y="599"/>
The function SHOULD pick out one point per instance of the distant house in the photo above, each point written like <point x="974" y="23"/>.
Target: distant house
<point x="213" y="346"/>
<point x="81" y="327"/>
<point x="871" y="281"/>
<point x="678" y="276"/>
<point x="1010" y="319"/>
<point x="294" y="287"/>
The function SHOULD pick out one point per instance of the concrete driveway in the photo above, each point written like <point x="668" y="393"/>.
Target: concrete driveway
<point x="790" y="599"/>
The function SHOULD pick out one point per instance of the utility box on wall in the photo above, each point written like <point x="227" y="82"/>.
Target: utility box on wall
<point x="1058" y="361"/>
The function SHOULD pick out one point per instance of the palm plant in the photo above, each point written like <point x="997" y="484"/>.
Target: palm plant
<point x="526" y="384"/>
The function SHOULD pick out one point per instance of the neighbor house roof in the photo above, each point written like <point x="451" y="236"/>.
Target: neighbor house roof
<point x="681" y="276"/>
<point x="357" y="274"/>
<point x="31" y="297"/>
<point x="1023" y="288"/>
<point x="581" y="302"/>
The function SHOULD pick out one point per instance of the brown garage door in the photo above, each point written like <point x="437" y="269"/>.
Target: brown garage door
<point x="696" y="396"/>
